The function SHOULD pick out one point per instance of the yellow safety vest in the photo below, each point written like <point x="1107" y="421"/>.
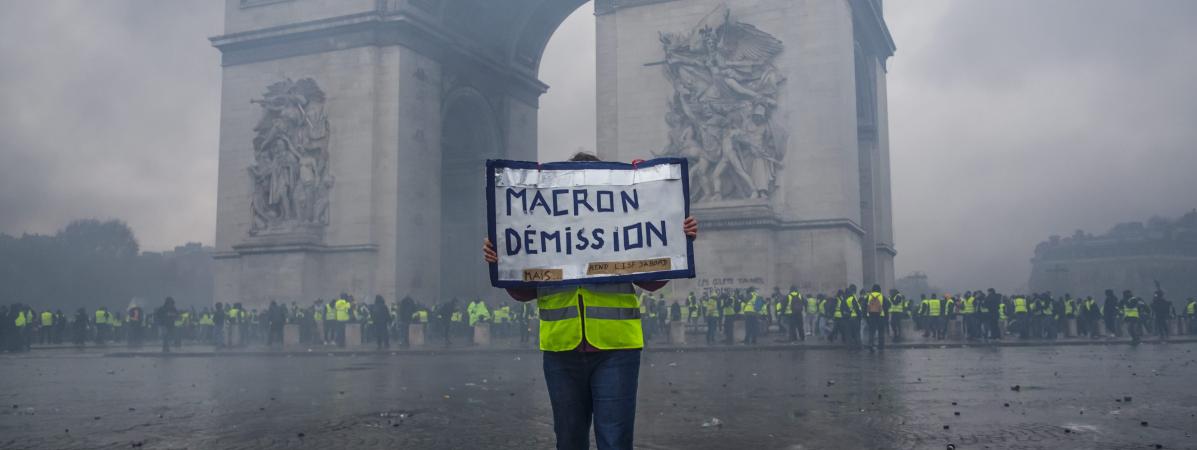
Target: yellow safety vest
<point x="880" y="298"/>
<point x="342" y="310"/>
<point x="1020" y="305"/>
<point x="790" y="301"/>
<point x="21" y="319"/>
<point x="750" y="305"/>
<point x="1191" y="309"/>
<point x="812" y="305"/>
<point x="610" y="319"/>
<point x="712" y="307"/>
<point x="896" y="305"/>
<point x="970" y="305"/>
<point x="47" y="318"/>
<point x="101" y="317"/>
<point x="851" y="302"/>
<point x="932" y="307"/>
<point x="1131" y="311"/>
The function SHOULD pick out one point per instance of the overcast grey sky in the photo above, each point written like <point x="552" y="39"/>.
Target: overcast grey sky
<point x="1010" y="120"/>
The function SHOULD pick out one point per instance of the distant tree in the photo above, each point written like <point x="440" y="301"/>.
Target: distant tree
<point x="93" y="263"/>
<point x="113" y="238"/>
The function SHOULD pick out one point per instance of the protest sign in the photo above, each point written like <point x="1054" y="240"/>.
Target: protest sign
<point x="588" y="222"/>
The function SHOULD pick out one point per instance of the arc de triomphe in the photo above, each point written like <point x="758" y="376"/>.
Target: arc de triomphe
<point x="353" y="135"/>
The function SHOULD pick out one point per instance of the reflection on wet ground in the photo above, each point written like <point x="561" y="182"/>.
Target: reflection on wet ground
<point x="987" y="397"/>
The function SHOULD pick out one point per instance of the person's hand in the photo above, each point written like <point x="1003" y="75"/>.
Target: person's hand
<point x="488" y="251"/>
<point x="690" y="226"/>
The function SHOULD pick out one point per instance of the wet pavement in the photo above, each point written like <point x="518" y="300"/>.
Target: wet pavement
<point x="1103" y="396"/>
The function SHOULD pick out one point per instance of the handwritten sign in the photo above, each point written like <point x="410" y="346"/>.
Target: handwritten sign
<point x="588" y="222"/>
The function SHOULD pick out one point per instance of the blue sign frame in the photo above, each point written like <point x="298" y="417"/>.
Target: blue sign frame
<point x="493" y="164"/>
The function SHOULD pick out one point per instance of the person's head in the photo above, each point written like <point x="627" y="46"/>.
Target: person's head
<point x="584" y="157"/>
<point x="170" y="301"/>
<point x="876" y="288"/>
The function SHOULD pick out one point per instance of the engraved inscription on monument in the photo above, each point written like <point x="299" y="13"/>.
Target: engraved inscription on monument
<point x="291" y="179"/>
<point x="720" y="115"/>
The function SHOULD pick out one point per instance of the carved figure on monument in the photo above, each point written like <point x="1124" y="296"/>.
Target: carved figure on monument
<point x="720" y="115"/>
<point x="291" y="180"/>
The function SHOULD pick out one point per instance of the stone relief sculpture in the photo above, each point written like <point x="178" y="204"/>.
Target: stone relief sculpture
<point x="291" y="179"/>
<point x="720" y="114"/>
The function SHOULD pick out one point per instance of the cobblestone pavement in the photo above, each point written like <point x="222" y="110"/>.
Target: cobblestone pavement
<point x="1067" y="397"/>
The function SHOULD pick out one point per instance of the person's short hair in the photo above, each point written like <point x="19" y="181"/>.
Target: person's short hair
<point x="584" y="157"/>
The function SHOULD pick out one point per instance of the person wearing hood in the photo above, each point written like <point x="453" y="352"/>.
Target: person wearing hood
<point x="166" y="316"/>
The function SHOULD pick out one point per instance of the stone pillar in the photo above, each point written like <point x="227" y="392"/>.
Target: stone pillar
<point x="1101" y="327"/>
<point x="739" y="330"/>
<point x="677" y="333"/>
<point x="1070" y="330"/>
<point x="353" y="334"/>
<point x="234" y="335"/>
<point x="290" y="335"/>
<point x="415" y="335"/>
<point x="1175" y="327"/>
<point x="482" y="334"/>
<point x="908" y="328"/>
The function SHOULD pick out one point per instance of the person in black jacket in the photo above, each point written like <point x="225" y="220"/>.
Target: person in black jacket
<point x="1111" y="310"/>
<point x="79" y="328"/>
<point x="1161" y="310"/>
<point x="382" y="322"/>
<point x="166" y="315"/>
<point x="276" y="317"/>
<point x="993" y="304"/>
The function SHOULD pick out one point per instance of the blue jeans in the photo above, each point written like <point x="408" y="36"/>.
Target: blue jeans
<point x="599" y="384"/>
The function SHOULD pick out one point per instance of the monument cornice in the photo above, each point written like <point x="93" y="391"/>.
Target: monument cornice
<point x="604" y="7"/>
<point x="371" y="29"/>
<point x="887" y="248"/>
<point x="772" y="222"/>
<point x="254" y="249"/>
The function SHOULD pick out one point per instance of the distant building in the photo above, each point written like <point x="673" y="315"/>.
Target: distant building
<point x="185" y="273"/>
<point x="915" y="285"/>
<point x="1130" y="256"/>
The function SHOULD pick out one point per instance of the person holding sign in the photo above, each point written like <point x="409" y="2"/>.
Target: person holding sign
<point x="590" y="332"/>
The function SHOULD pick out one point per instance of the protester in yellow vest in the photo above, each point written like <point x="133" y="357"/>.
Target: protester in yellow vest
<point x="794" y="307"/>
<point x="341" y="318"/>
<point x="591" y="337"/>
<point x="876" y="309"/>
